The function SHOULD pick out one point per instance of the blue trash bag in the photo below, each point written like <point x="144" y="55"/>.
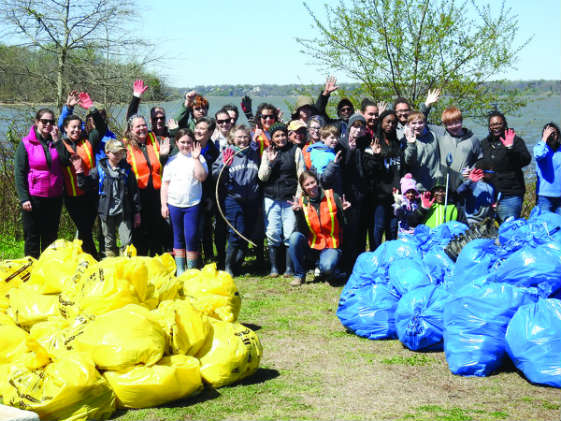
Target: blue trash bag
<point x="533" y="341"/>
<point x="438" y="264"/>
<point x="369" y="311"/>
<point x="530" y="266"/>
<point x="476" y="259"/>
<point x="366" y="270"/>
<point x="546" y="226"/>
<point x="419" y="318"/>
<point x="406" y="274"/>
<point x="511" y="231"/>
<point x="475" y="322"/>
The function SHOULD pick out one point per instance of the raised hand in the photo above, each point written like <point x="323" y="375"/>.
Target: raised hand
<point x="138" y="88"/>
<point x="165" y="146"/>
<point x="227" y="156"/>
<point x="432" y="97"/>
<point x="476" y="174"/>
<point x="279" y="114"/>
<point x="271" y="153"/>
<point x="409" y="135"/>
<point x="85" y="100"/>
<point x="55" y="135"/>
<point x="330" y="85"/>
<point x="508" y="140"/>
<point x="196" y="152"/>
<point x="345" y="203"/>
<point x="397" y="198"/>
<point x="295" y="203"/>
<point x="549" y="130"/>
<point x="376" y="146"/>
<point x="338" y="156"/>
<point x="426" y="201"/>
<point x="76" y="162"/>
<point x="246" y="104"/>
<point x="172" y="124"/>
<point x="189" y="99"/>
<point x="72" y="99"/>
<point x="382" y="106"/>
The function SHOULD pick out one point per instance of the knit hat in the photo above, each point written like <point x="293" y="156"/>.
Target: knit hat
<point x="407" y="183"/>
<point x="278" y="126"/>
<point x="440" y="182"/>
<point x="344" y="102"/>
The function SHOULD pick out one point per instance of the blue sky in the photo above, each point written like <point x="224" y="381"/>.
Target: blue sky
<point x="253" y="42"/>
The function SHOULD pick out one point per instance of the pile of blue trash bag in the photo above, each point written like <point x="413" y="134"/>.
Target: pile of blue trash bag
<point x="500" y="299"/>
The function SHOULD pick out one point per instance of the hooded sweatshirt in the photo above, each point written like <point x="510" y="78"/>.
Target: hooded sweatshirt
<point x="422" y="158"/>
<point x="355" y="183"/>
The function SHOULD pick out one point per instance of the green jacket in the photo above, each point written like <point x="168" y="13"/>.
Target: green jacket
<point x="434" y="216"/>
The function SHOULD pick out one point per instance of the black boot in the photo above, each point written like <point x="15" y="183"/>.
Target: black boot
<point x="273" y="258"/>
<point x="289" y="271"/>
<point x="230" y="261"/>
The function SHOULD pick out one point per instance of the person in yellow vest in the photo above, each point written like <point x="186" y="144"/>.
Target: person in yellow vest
<point x="81" y="204"/>
<point x="320" y="217"/>
<point x="143" y="155"/>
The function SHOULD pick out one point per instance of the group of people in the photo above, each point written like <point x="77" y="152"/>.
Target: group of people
<point x="315" y="187"/>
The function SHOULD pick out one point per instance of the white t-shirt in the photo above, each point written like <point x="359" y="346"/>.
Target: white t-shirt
<point x="184" y="189"/>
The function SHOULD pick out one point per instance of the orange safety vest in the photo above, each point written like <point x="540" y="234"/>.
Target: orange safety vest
<point x="142" y="169"/>
<point x="263" y="142"/>
<point x="85" y="151"/>
<point x="307" y="155"/>
<point x="324" y="229"/>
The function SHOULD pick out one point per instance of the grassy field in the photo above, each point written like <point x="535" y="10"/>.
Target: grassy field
<point x="313" y="369"/>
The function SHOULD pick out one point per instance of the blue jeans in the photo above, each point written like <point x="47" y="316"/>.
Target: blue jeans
<point x="551" y="204"/>
<point x="299" y="251"/>
<point x="280" y="222"/>
<point x="509" y="206"/>
<point x="384" y="221"/>
<point x="243" y="215"/>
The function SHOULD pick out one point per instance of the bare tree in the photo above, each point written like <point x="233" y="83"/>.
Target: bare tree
<point x="73" y="31"/>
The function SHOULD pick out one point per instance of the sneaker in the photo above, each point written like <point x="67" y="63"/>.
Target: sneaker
<point x="317" y="272"/>
<point x="296" y="281"/>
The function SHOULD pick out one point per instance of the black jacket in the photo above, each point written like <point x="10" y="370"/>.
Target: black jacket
<point x="383" y="171"/>
<point x="508" y="178"/>
<point x="128" y="188"/>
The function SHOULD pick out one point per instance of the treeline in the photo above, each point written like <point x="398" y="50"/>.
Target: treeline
<point x="29" y="75"/>
<point x="532" y="87"/>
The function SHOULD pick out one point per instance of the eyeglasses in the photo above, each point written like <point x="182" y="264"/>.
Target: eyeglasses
<point x="223" y="121"/>
<point x="313" y="128"/>
<point x="45" y="121"/>
<point x="268" y="117"/>
<point x="160" y="117"/>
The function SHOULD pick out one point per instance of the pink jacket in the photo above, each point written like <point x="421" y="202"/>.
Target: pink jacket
<point x="43" y="181"/>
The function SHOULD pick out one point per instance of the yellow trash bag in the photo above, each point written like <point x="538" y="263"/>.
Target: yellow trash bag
<point x="187" y="329"/>
<point x="122" y="338"/>
<point x="28" y="307"/>
<point x="233" y="354"/>
<point x="13" y="273"/>
<point x="12" y="343"/>
<point x="5" y="319"/>
<point x="59" y="266"/>
<point x="109" y="285"/>
<point x="174" y="377"/>
<point x="70" y="388"/>
<point x="213" y="292"/>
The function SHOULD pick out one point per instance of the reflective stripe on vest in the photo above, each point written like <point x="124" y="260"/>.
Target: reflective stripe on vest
<point x="263" y="141"/>
<point x="141" y="169"/>
<point x="324" y="230"/>
<point x="306" y="154"/>
<point x="85" y="152"/>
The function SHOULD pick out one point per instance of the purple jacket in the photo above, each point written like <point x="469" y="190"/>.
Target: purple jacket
<point x="43" y="180"/>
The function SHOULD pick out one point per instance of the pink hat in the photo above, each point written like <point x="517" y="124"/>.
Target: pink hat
<point x="407" y="183"/>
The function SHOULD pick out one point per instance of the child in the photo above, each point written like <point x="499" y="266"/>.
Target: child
<point x="181" y="194"/>
<point x="406" y="203"/>
<point x="325" y="162"/>
<point x="119" y="199"/>
<point x="476" y="195"/>
<point x="432" y="211"/>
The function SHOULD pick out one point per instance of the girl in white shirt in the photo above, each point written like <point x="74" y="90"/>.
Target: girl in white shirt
<point x="181" y="193"/>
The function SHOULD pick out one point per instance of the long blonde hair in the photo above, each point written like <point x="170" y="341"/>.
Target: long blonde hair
<point x="130" y="137"/>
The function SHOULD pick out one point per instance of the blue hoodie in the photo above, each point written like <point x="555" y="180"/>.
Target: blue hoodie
<point x="548" y="170"/>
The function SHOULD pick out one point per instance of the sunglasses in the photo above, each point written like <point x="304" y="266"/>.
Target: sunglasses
<point x="346" y="109"/>
<point x="44" y="121"/>
<point x="268" y="117"/>
<point x="224" y="121"/>
<point x="159" y="118"/>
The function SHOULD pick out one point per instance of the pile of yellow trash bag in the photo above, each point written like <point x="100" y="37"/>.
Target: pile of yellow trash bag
<point x="79" y="338"/>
